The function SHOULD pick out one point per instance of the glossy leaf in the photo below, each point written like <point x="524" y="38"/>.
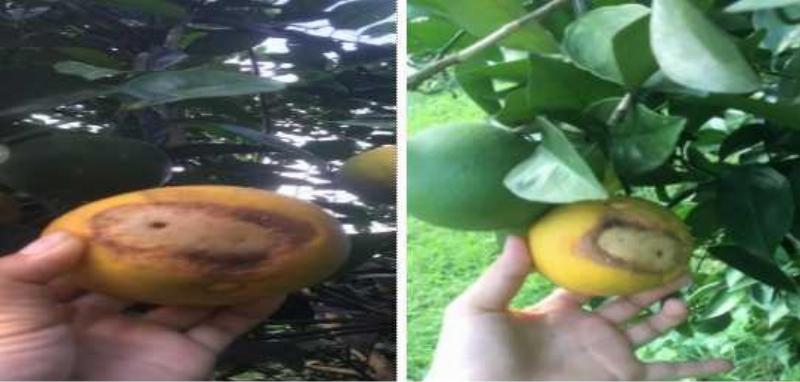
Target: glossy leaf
<point x="754" y="5"/>
<point x="154" y="7"/>
<point x="88" y="72"/>
<point x="644" y="141"/>
<point x="360" y="13"/>
<point x="555" y="173"/>
<point x="743" y="138"/>
<point x="694" y="52"/>
<point x="482" y="17"/>
<point x="554" y="85"/>
<point x="589" y="41"/>
<point x="633" y="54"/>
<point x="703" y="221"/>
<point x="171" y="86"/>
<point x="785" y="114"/>
<point x="38" y="88"/>
<point x="755" y="266"/>
<point x="756" y="207"/>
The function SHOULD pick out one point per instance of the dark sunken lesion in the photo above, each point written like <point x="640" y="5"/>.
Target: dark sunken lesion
<point x="589" y="247"/>
<point x="289" y="233"/>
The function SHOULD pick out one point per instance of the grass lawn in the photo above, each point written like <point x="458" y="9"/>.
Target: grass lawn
<point x="442" y="263"/>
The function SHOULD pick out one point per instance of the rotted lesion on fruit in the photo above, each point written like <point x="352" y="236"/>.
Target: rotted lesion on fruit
<point x="202" y="237"/>
<point x="634" y="245"/>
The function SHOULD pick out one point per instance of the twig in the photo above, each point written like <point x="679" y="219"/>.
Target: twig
<point x="416" y="79"/>
<point x="623" y="108"/>
<point x="266" y="123"/>
<point x="450" y="44"/>
<point x="335" y="370"/>
<point x="579" y="7"/>
<point x="681" y="196"/>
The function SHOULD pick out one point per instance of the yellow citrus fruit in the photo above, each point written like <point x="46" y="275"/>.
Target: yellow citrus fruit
<point x="618" y="246"/>
<point x="372" y="174"/>
<point x="203" y="245"/>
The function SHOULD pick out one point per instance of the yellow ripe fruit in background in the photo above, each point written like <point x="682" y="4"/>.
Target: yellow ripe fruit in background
<point x="372" y="174"/>
<point x="618" y="246"/>
<point x="203" y="245"/>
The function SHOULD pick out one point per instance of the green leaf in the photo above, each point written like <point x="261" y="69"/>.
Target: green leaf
<point x="37" y="88"/>
<point x="171" y="86"/>
<point x="723" y="303"/>
<point x="555" y="173"/>
<point x="482" y="17"/>
<point x="758" y="267"/>
<point x="644" y="141"/>
<point x="712" y="325"/>
<point x="784" y="114"/>
<point x="589" y="40"/>
<point x="754" y="5"/>
<point x="475" y="79"/>
<point x="794" y="180"/>
<point x="742" y="138"/>
<point x="89" y="72"/>
<point x="554" y="85"/>
<point x="429" y="34"/>
<point x="154" y="7"/>
<point x="756" y="207"/>
<point x="703" y="221"/>
<point x="360" y="13"/>
<point x="634" y="56"/>
<point x="224" y="42"/>
<point x="695" y="53"/>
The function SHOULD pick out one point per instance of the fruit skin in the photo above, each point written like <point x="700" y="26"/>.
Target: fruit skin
<point x="372" y="174"/>
<point x="455" y="177"/>
<point x="203" y="245"/>
<point x="564" y="245"/>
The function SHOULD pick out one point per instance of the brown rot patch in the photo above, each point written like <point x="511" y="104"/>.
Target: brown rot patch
<point x="200" y="237"/>
<point x="634" y="245"/>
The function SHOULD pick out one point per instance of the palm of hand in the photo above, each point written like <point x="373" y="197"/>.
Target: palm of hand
<point x="167" y="343"/>
<point x="556" y="339"/>
<point x="585" y="346"/>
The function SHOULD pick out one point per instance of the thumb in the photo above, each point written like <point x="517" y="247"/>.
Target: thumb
<point x="494" y="290"/>
<point x="43" y="260"/>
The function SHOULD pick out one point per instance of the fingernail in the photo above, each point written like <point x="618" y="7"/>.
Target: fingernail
<point x="45" y="243"/>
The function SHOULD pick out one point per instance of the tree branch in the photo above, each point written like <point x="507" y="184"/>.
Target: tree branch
<point x="416" y="79"/>
<point x="266" y="121"/>
<point x="623" y="108"/>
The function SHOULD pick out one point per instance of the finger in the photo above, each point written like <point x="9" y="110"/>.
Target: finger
<point x="500" y="282"/>
<point x="63" y="289"/>
<point x="660" y="371"/>
<point x="562" y="299"/>
<point x="177" y="317"/>
<point x="219" y="330"/>
<point x="44" y="259"/>
<point x="670" y="316"/>
<point x="624" y="308"/>
<point x="93" y="305"/>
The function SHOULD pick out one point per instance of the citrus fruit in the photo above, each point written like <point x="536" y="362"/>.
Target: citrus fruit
<point x="455" y="177"/>
<point x="372" y="174"/>
<point x="203" y="245"/>
<point x="619" y="246"/>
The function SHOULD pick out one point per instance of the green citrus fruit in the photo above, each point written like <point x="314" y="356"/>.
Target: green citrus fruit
<point x="455" y="177"/>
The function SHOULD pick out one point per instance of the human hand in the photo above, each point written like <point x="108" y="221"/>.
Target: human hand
<point x="555" y="339"/>
<point x="50" y="329"/>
